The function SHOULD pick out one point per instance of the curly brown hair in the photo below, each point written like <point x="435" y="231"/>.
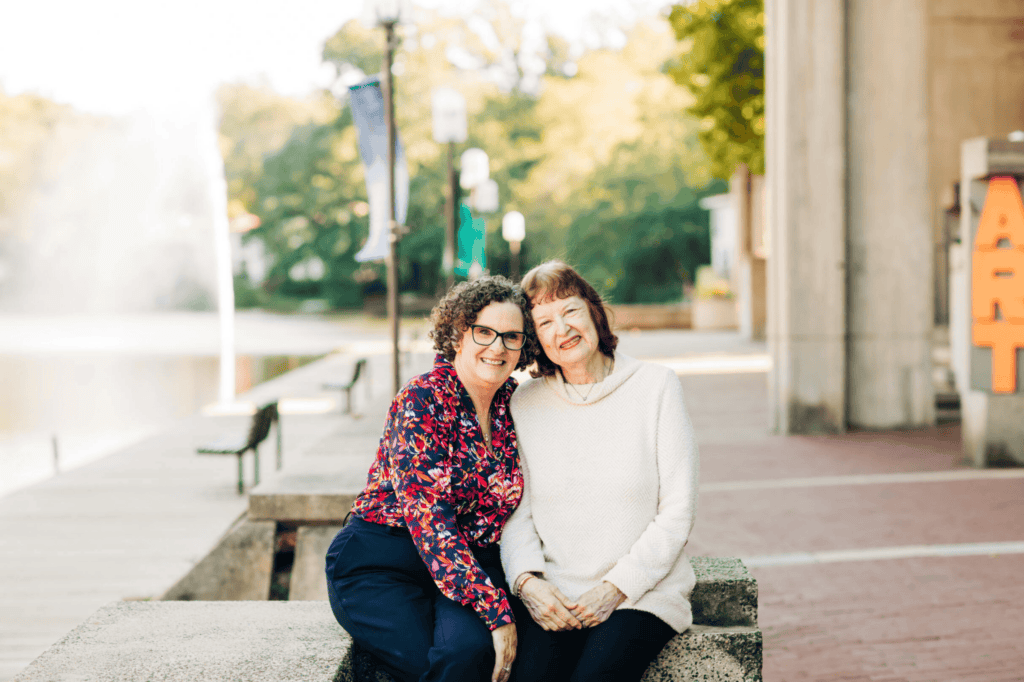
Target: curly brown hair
<point x="461" y="305"/>
<point x="556" y="279"/>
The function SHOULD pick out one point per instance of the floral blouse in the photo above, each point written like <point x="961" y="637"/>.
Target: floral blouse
<point x="434" y="476"/>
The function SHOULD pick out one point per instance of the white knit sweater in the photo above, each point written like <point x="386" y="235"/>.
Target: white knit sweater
<point x="611" y="488"/>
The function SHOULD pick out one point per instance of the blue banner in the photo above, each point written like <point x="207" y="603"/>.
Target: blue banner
<point x="367" y="103"/>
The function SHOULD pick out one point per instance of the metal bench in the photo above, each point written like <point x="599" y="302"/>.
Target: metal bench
<point x="346" y="388"/>
<point x="259" y="429"/>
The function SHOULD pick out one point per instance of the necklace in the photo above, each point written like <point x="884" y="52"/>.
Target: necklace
<point x="583" y="396"/>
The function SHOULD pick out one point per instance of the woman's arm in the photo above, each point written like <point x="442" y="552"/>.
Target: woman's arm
<point x="522" y="555"/>
<point x="658" y="548"/>
<point x="422" y="471"/>
<point x="520" y="545"/>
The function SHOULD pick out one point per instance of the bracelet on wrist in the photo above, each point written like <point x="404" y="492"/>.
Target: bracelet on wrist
<point x="518" y="591"/>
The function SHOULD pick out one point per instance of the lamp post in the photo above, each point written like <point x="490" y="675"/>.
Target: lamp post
<point x="449" y="118"/>
<point x="387" y="13"/>
<point x="513" y="229"/>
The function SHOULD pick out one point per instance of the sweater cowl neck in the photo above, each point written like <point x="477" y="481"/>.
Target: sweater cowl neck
<point x="624" y="368"/>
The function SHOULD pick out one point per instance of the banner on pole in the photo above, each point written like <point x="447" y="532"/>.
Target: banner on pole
<point x="472" y="243"/>
<point x="367" y="103"/>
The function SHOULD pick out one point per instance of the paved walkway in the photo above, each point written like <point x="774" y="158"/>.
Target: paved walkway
<point x="131" y="524"/>
<point x="879" y="556"/>
<point x="855" y="542"/>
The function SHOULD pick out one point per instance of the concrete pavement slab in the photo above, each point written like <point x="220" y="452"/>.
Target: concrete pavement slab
<point x="198" y="642"/>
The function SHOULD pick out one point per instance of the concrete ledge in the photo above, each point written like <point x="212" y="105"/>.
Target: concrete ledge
<point x="285" y="641"/>
<point x="198" y="642"/>
<point x="238" y="568"/>
<point x="651" y="316"/>
<point x="725" y="593"/>
<point x="709" y="654"/>
<point x="309" y="580"/>
<point x="305" y="498"/>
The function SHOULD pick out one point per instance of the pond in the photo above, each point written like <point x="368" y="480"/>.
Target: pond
<point x="62" y="410"/>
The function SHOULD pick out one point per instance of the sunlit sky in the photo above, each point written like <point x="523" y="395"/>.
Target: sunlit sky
<point x="119" y="56"/>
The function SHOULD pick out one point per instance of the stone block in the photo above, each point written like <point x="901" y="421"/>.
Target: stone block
<point x="709" y="654"/>
<point x="238" y="568"/>
<point x="725" y="593"/>
<point x="306" y="497"/>
<point x="198" y="642"/>
<point x="284" y="641"/>
<point x="308" y="580"/>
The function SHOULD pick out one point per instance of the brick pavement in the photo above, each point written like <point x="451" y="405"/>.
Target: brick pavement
<point x="943" y="619"/>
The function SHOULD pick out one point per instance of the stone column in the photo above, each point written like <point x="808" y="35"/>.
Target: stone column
<point x="889" y="233"/>
<point x="992" y="424"/>
<point x="748" y="276"/>
<point x="806" y="176"/>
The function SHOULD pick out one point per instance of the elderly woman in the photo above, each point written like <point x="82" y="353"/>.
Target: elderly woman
<point x="595" y="549"/>
<point x="415" y="577"/>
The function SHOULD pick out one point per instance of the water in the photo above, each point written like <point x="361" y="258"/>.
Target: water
<point x="87" y="405"/>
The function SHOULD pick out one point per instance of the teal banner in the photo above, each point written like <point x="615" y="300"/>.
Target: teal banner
<point x="472" y="243"/>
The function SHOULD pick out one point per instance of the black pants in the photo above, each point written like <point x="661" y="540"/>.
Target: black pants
<point x="617" y="650"/>
<point x="382" y="594"/>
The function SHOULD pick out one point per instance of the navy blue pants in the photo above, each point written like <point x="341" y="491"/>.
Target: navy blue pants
<point x="383" y="595"/>
<point x="617" y="650"/>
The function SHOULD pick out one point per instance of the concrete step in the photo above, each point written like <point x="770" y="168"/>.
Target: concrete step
<point x="300" y="641"/>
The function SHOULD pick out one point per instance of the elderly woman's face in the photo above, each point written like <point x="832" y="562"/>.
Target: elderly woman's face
<point x="565" y="330"/>
<point x="482" y="357"/>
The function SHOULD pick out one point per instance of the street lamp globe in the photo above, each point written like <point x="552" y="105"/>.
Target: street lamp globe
<point x="476" y="168"/>
<point x="448" y="107"/>
<point x="513" y="227"/>
<point x="513" y="230"/>
<point x="485" y="196"/>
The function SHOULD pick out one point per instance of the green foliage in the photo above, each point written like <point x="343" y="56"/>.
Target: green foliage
<point x="638" y="245"/>
<point x="602" y="164"/>
<point x="308" y="199"/>
<point x="255" y="124"/>
<point x="721" y="62"/>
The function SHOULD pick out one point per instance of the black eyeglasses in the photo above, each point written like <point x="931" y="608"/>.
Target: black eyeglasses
<point x="485" y="336"/>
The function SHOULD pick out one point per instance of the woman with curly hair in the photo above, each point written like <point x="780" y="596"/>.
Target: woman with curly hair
<point x="415" y="577"/>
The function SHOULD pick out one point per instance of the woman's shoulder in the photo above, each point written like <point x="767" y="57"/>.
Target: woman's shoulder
<point x="437" y="384"/>
<point x="644" y="371"/>
<point x="653" y="379"/>
<point x="530" y="393"/>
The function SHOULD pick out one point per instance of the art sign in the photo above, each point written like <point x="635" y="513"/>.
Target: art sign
<point x="997" y="285"/>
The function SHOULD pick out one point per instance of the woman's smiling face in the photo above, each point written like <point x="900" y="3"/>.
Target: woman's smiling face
<point x="489" y="366"/>
<point x="565" y="330"/>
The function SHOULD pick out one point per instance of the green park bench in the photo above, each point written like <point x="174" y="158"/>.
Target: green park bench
<point x="259" y="429"/>
<point x="346" y="387"/>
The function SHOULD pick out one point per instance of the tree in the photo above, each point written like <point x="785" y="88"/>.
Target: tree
<point x="30" y="153"/>
<point x="613" y="192"/>
<point x="255" y="124"/>
<point x="595" y="154"/>
<point x="721" y="62"/>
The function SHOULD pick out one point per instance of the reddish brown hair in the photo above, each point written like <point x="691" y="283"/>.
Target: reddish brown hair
<point x="554" y="280"/>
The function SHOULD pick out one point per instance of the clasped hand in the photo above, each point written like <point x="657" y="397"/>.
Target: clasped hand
<point x="552" y="610"/>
